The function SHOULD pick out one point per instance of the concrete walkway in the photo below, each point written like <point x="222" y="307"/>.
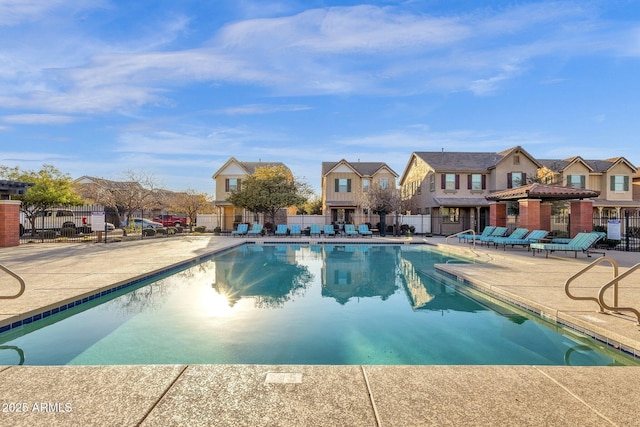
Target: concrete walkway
<point x="221" y="395"/>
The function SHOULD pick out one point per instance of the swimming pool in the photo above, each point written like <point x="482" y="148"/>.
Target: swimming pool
<point x="301" y="304"/>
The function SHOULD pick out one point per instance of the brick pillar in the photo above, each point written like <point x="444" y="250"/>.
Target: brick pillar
<point x="545" y="216"/>
<point x="9" y="223"/>
<point x="498" y="214"/>
<point x="581" y="216"/>
<point x="529" y="216"/>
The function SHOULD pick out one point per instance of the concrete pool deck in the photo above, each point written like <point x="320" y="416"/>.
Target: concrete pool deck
<point x="291" y="395"/>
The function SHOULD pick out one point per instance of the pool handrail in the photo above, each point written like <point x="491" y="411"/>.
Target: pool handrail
<point x="18" y="278"/>
<point x="464" y="232"/>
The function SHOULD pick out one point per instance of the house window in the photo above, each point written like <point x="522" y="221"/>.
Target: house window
<point x="619" y="183"/>
<point x="516" y="160"/>
<point x="450" y="214"/>
<point x="477" y="181"/>
<point x="432" y="182"/>
<point x="516" y="179"/>
<point x="232" y="184"/>
<point x="343" y="185"/>
<point x="576" y="181"/>
<point x="450" y="181"/>
<point x="384" y="183"/>
<point x="365" y="185"/>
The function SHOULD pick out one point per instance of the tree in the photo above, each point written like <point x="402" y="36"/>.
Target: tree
<point x="382" y="201"/>
<point x="191" y="203"/>
<point x="269" y="189"/>
<point x="50" y="188"/>
<point x="312" y="206"/>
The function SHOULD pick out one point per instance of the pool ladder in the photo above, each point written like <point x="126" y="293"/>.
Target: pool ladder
<point x="18" y="278"/>
<point x="614" y="282"/>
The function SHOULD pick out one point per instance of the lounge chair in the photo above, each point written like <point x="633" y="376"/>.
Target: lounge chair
<point x="329" y="230"/>
<point x="582" y="242"/>
<point x="497" y="232"/>
<point x="241" y="230"/>
<point x="314" y="230"/>
<point x="533" y="237"/>
<point x="350" y="230"/>
<point x="256" y="230"/>
<point x="295" y="231"/>
<point x="363" y="230"/>
<point x="518" y="233"/>
<point x="470" y="237"/>
<point x="281" y="230"/>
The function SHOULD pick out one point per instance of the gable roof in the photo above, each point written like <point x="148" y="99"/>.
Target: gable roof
<point x="361" y="168"/>
<point x="248" y="167"/>
<point x="459" y="161"/>
<point x="544" y="192"/>
<point x="598" y="166"/>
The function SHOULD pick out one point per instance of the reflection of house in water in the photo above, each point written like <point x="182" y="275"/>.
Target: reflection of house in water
<point x="358" y="271"/>
<point x="268" y="274"/>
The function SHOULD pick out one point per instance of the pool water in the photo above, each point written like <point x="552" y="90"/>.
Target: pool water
<point x="288" y="304"/>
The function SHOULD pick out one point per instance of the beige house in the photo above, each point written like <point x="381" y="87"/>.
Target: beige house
<point x="613" y="178"/>
<point x="229" y="178"/>
<point x="452" y="186"/>
<point x="344" y="184"/>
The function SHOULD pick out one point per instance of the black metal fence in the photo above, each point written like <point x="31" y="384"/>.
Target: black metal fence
<point x="73" y="224"/>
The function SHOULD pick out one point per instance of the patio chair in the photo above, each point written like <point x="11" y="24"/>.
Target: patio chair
<point x="533" y="237"/>
<point x="470" y="237"/>
<point x="314" y="230"/>
<point x="281" y="230"/>
<point x="295" y="231"/>
<point x="241" y="230"/>
<point x="350" y="230"/>
<point x="329" y="230"/>
<point x="582" y="242"/>
<point x="497" y="232"/>
<point x="518" y="233"/>
<point x="256" y="230"/>
<point x="363" y="230"/>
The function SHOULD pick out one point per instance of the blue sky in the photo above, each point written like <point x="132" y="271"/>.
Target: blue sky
<point x="174" y="88"/>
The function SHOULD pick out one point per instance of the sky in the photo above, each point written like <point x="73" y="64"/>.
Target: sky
<point x="173" y="89"/>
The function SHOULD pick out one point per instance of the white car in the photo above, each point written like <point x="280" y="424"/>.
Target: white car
<point x="145" y="223"/>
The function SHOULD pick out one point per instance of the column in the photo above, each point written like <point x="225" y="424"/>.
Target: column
<point x="498" y="214"/>
<point x="529" y="216"/>
<point x="581" y="216"/>
<point x="9" y="223"/>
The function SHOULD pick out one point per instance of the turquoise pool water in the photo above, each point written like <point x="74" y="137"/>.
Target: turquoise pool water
<point x="287" y="304"/>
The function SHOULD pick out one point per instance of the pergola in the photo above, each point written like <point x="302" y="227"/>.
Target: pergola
<point x="535" y="206"/>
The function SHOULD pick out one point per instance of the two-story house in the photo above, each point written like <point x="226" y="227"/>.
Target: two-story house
<point x="344" y="185"/>
<point x="613" y="178"/>
<point x="452" y="186"/>
<point x="229" y="178"/>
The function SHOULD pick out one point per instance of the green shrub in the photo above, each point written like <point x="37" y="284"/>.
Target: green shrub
<point x="47" y="234"/>
<point x="149" y="232"/>
<point x="171" y="230"/>
<point x="200" y="229"/>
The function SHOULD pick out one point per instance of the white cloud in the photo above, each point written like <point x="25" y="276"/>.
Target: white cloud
<point x="262" y="109"/>
<point x="29" y="119"/>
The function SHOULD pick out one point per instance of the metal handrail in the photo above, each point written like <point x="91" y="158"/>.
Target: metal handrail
<point x="598" y="301"/>
<point x="18" y="278"/>
<point x="464" y="232"/>
<point x="614" y="283"/>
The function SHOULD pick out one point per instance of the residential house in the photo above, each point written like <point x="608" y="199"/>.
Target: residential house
<point x="228" y="179"/>
<point x="613" y="178"/>
<point x="452" y="186"/>
<point x="344" y="184"/>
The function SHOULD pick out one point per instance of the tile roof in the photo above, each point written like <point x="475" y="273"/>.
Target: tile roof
<point x="363" y="168"/>
<point x="459" y="161"/>
<point x="461" y="201"/>
<point x="543" y="191"/>
<point x="252" y="166"/>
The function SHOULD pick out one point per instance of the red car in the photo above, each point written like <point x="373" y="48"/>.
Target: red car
<point x="171" y="220"/>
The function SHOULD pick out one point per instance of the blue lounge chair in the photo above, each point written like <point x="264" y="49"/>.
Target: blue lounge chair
<point x="363" y="230"/>
<point x="314" y="230"/>
<point x="497" y="232"/>
<point x="533" y="237"/>
<point x="518" y="233"/>
<point x="582" y="242"/>
<point x="256" y="230"/>
<point x="350" y="230"/>
<point x="470" y="237"/>
<point x="329" y="230"/>
<point x="241" y="230"/>
<point x="295" y="231"/>
<point x="281" y="230"/>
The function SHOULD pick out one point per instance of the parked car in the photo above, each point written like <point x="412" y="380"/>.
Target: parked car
<point x="171" y="220"/>
<point x="50" y="219"/>
<point x="144" y="223"/>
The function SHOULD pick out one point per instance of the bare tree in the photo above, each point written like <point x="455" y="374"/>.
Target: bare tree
<point x="383" y="201"/>
<point x="190" y="203"/>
